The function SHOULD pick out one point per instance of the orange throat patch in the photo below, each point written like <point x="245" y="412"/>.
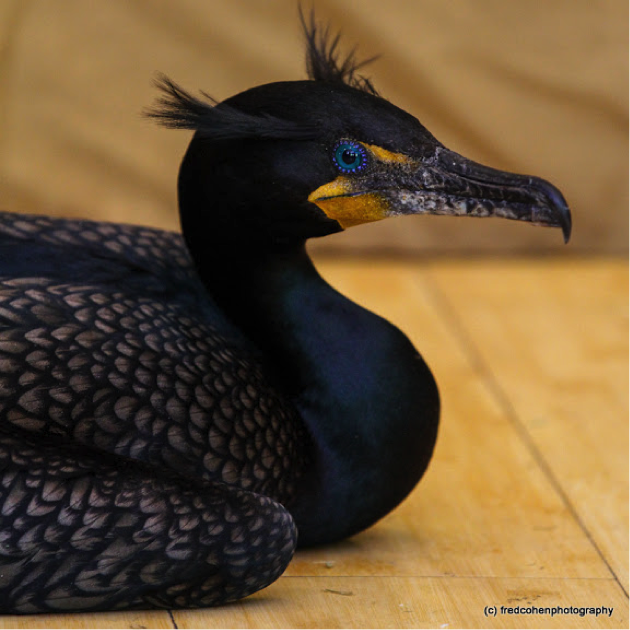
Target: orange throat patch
<point x="351" y="208"/>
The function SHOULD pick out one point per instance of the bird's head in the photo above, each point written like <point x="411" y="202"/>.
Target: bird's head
<point x="284" y="162"/>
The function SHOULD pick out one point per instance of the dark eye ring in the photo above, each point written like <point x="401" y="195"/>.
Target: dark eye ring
<point x="349" y="157"/>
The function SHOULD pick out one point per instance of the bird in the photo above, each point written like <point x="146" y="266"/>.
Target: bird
<point x="180" y="412"/>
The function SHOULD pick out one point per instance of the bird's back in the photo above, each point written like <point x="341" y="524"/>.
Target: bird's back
<point x="80" y="251"/>
<point x="108" y="339"/>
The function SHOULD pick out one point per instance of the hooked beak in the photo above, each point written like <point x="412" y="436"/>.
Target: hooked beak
<point x="454" y="185"/>
<point x="446" y="184"/>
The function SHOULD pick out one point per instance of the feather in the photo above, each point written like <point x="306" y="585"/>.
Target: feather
<point x="325" y="63"/>
<point x="178" y="109"/>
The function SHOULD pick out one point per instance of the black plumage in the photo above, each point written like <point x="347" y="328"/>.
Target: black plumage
<point x="175" y="413"/>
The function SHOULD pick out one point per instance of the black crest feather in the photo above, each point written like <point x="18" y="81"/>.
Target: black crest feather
<point x="324" y="62"/>
<point x="178" y="109"/>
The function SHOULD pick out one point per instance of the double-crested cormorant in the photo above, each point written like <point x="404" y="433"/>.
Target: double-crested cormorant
<point x="176" y="413"/>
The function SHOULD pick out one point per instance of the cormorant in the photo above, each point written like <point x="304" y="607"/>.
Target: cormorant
<point x="176" y="413"/>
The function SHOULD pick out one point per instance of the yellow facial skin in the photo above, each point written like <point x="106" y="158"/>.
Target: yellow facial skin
<point x="345" y="202"/>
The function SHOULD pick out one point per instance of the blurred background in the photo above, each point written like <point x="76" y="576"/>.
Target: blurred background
<point x="527" y="86"/>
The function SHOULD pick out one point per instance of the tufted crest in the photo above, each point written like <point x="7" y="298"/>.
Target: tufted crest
<point x="324" y="62"/>
<point x="179" y="109"/>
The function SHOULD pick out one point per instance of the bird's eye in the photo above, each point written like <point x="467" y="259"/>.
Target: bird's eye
<point x="349" y="157"/>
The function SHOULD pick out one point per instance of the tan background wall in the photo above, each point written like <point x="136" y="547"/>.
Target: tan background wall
<point x="525" y="85"/>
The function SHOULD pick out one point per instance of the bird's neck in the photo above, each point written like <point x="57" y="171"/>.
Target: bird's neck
<point x="367" y="398"/>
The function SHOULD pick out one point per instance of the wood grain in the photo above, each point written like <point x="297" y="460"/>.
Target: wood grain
<point x="134" y="621"/>
<point x="396" y="602"/>
<point x="525" y="502"/>
<point x="553" y="338"/>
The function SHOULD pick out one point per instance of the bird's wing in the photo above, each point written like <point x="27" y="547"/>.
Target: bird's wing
<point x="84" y="531"/>
<point x="99" y="349"/>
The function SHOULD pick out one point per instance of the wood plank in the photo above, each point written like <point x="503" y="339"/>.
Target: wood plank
<point x="133" y="620"/>
<point x="554" y="337"/>
<point x="373" y="602"/>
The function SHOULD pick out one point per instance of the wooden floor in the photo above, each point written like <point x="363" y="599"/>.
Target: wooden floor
<point x="526" y="501"/>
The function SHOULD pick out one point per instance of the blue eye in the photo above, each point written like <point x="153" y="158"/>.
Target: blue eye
<point x="349" y="157"/>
